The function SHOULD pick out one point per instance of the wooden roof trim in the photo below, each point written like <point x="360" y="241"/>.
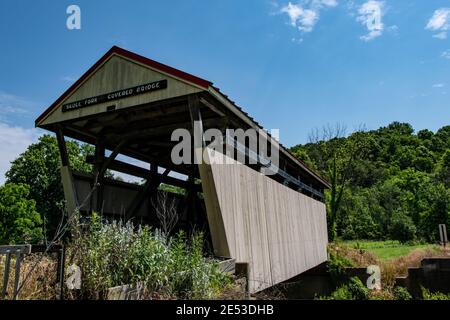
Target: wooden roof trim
<point x="131" y="56"/>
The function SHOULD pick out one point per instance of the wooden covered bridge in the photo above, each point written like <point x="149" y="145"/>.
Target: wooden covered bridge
<point x="128" y="106"/>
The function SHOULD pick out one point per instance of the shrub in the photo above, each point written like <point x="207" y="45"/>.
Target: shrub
<point x="116" y="253"/>
<point x="336" y="265"/>
<point x="427" y="295"/>
<point x="401" y="293"/>
<point x="357" y="289"/>
<point x="402" y="227"/>
<point x="353" y="290"/>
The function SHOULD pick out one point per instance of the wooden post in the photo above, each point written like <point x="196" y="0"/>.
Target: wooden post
<point x="215" y="219"/>
<point x="61" y="270"/>
<point x="98" y="176"/>
<point x="189" y="207"/>
<point x="150" y="186"/>
<point x="100" y="166"/>
<point x="62" y="147"/>
<point x="66" y="174"/>
<point x="6" y="274"/>
<point x="17" y="274"/>
<point x="18" y="250"/>
<point x="152" y="196"/>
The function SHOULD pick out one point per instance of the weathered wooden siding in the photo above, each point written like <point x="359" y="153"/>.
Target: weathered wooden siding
<point x="119" y="73"/>
<point x="278" y="231"/>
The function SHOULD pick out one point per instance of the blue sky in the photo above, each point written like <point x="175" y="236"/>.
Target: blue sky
<point x="294" y="65"/>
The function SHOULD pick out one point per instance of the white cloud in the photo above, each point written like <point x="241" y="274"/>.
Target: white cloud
<point x="441" y="35"/>
<point x="438" y="85"/>
<point x="393" y="29"/>
<point x="301" y="18"/>
<point x="11" y="104"/>
<point x="370" y="15"/>
<point x="440" y="23"/>
<point x="14" y="141"/>
<point x="329" y="3"/>
<point x="308" y="20"/>
<point x="304" y="16"/>
<point x="446" y="54"/>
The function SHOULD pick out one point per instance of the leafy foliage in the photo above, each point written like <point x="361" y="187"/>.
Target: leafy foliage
<point x="353" y="290"/>
<point x="19" y="221"/>
<point x="428" y="295"/>
<point x="336" y="265"/>
<point x="39" y="168"/>
<point x="397" y="188"/>
<point x="114" y="254"/>
<point x="401" y="293"/>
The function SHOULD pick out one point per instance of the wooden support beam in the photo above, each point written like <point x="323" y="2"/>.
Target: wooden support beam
<point x="214" y="214"/>
<point x="212" y="107"/>
<point x="156" y="143"/>
<point x="188" y="200"/>
<point x="148" y="158"/>
<point x="196" y="121"/>
<point x="80" y="134"/>
<point x="66" y="174"/>
<point x="144" y="123"/>
<point x="112" y="157"/>
<point x="100" y="167"/>
<point x="97" y="199"/>
<point x="69" y="190"/>
<point x="139" y="172"/>
<point x="150" y="186"/>
<point x="165" y="130"/>
<point x="150" y="111"/>
<point x="62" y="147"/>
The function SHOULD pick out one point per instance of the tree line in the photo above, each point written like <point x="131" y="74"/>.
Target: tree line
<point x="389" y="183"/>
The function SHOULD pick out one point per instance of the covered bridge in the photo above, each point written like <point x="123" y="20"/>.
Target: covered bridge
<point x="128" y="106"/>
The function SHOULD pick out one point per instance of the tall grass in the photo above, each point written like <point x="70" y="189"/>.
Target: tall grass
<point x="41" y="284"/>
<point x="116" y="253"/>
<point x="390" y="249"/>
<point x="344" y="255"/>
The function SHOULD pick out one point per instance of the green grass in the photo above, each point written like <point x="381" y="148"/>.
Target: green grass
<point x="386" y="250"/>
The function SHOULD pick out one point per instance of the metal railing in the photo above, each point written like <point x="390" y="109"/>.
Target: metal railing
<point x="301" y="186"/>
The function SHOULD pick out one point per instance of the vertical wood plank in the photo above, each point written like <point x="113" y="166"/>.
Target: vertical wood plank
<point x="279" y="232"/>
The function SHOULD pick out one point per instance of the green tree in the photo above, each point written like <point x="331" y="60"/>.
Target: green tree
<point x="443" y="169"/>
<point x="425" y="134"/>
<point x="402" y="227"/>
<point x="301" y="154"/>
<point x="397" y="187"/>
<point x="19" y="221"/>
<point x="39" y="168"/>
<point x="338" y="156"/>
<point x="438" y="212"/>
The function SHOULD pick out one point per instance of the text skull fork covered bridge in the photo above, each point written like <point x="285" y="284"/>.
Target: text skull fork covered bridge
<point x="130" y="105"/>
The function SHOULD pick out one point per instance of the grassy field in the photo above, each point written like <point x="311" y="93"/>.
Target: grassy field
<point x="386" y="250"/>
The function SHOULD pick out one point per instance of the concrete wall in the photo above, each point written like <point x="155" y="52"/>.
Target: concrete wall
<point x="433" y="274"/>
